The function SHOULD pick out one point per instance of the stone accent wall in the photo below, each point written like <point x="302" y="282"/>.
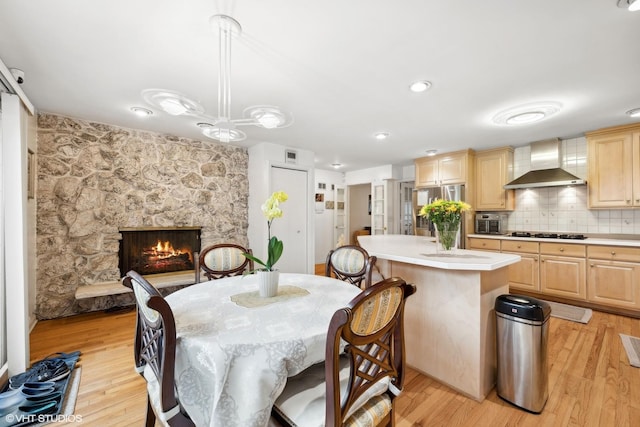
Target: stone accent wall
<point x="94" y="179"/>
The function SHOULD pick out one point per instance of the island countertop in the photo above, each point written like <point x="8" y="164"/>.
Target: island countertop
<point x="421" y="250"/>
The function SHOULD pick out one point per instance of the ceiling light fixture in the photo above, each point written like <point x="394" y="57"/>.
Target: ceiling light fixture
<point x="141" y="112"/>
<point x="631" y="5"/>
<point x="635" y="113"/>
<point x="431" y="153"/>
<point x="420" y="86"/>
<point x="527" y="113"/>
<point x="381" y="135"/>
<point x="336" y="165"/>
<point x="222" y="127"/>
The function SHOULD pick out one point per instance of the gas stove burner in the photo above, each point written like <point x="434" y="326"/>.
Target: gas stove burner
<point x="546" y="235"/>
<point x="521" y="234"/>
<point x="572" y="236"/>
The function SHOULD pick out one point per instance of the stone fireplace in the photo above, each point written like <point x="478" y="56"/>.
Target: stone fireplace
<point x="158" y="250"/>
<point x="96" y="181"/>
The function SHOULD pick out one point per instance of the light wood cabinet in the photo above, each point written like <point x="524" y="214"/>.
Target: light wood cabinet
<point x="614" y="276"/>
<point x="484" y="244"/>
<point x="563" y="270"/>
<point x="449" y="168"/>
<point x="524" y="274"/>
<point x="614" y="167"/>
<point x="494" y="169"/>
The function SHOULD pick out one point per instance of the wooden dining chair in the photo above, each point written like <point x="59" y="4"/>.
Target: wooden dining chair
<point x="357" y="386"/>
<point x="225" y="260"/>
<point x="154" y="353"/>
<point x="352" y="264"/>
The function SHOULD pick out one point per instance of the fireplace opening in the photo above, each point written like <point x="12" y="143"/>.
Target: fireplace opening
<point x="158" y="250"/>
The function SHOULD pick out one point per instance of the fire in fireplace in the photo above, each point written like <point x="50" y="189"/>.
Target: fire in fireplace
<point x="155" y="250"/>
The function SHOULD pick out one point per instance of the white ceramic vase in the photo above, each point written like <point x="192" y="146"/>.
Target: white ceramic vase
<point x="268" y="283"/>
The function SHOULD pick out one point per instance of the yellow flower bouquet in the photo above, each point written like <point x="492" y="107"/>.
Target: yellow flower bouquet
<point x="446" y="215"/>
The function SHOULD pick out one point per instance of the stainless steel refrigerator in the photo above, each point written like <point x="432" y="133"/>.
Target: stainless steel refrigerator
<point x="425" y="195"/>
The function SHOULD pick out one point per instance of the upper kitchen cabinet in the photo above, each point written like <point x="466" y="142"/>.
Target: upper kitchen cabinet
<point x="449" y="168"/>
<point x="614" y="167"/>
<point x="494" y="169"/>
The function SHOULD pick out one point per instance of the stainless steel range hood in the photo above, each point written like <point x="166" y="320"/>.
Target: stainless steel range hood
<point x="545" y="168"/>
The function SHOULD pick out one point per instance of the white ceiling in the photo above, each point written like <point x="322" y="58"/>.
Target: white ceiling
<point x="342" y="67"/>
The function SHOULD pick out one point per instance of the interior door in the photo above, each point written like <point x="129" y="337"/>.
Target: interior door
<point x="406" y="208"/>
<point x="292" y="228"/>
<point x="379" y="215"/>
<point x="339" y="217"/>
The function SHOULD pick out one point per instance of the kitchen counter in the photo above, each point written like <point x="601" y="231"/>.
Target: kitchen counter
<point x="420" y="250"/>
<point x="630" y="242"/>
<point x="449" y="321"/>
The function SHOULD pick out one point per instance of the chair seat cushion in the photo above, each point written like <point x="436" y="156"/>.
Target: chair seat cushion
<point x="303" y="400"/>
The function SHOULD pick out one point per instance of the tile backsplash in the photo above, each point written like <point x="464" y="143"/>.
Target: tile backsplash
<point x="564" y="209"/>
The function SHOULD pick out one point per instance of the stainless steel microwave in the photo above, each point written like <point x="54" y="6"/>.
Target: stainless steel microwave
<point x="491" y="224"/>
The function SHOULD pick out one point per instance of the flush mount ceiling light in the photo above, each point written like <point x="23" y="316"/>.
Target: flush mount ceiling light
<point x="336" y="165"/>
<point x="634" y="113"/>
<point x="420" y="86"/>
<point x="431" y="152"/>
<point x="381" y="135"/>
<point x="142" y="112"/>
<point x="528" y="113"/>
<point x="631" y="5"/>
<point x="221" y="127"/>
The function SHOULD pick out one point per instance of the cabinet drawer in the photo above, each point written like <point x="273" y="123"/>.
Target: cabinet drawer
<point x="614" y="253"/>
<point x="519" y="246"/>
<point x="484" y="244"/>
<point x="563" y="249"/>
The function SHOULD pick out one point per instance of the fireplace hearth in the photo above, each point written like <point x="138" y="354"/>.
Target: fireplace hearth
<point x="158" y="250"/>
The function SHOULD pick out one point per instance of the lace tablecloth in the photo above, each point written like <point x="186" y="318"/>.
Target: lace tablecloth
<point x="232" y="362"/>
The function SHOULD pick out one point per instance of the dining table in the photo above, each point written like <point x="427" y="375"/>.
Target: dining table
<point x="235" y="349"/>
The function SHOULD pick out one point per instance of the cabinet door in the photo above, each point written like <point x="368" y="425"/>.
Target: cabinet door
<point x="611" y="171"/>
<point x="426" y="172"/>
<point x="614" y="283"/>
<point x="525" y="273"/>
<point x="563" y="276"/>
<point x="492" y="172"/>
<point x="452" y="170"/>
<point x="636" y="169"/>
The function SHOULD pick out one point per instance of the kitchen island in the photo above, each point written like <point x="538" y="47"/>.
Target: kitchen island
<point x="449" y="321"/>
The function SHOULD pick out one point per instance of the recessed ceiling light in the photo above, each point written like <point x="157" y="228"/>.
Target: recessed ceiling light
<point x="527" y="113"/>
<point x="172" y="102"/>
<point x="632" y="5"/>
<point x="634" y="113"/>
<point x="431" y="152"/>
<point x="142" y="112"/>
<point x="420" y="86"/>
<point x="381" y="135"/>
<point x="336" y="165"/>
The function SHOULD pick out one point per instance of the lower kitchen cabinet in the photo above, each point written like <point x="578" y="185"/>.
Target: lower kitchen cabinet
<point x="525" y="273"/>
<point x="614" y="276"/>
<point x="563" y="276"/>
<point x="563" y="270"/>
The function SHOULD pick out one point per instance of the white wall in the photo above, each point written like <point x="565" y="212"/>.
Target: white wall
<point x="369" y="175"/>
<point x="564" y="209"/>
<point x="261" y="158"/>
<point x="324" y="220"/>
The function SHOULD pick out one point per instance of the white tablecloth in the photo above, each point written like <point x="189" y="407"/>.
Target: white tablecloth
<point x="232" y="362"/>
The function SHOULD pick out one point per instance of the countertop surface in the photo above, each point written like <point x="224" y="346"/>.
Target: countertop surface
<point x="587" y="241"/>
<point x="421" y="250"/>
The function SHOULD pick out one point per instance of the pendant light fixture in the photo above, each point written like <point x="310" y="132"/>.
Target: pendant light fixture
<point x="631" y="5"/>
<point x="222" y="127"/>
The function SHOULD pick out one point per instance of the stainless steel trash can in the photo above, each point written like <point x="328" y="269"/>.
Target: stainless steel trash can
<point x="522" y="331"/>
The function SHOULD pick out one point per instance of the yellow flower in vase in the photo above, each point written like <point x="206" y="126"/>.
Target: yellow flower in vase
<point x="446" y="215"/>
<point x="271" y="210"/>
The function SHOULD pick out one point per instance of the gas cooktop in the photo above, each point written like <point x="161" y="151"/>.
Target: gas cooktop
<point x="548" y="235"/>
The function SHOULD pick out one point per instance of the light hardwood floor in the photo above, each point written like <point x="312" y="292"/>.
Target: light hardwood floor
<point x="590" y="380"/>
